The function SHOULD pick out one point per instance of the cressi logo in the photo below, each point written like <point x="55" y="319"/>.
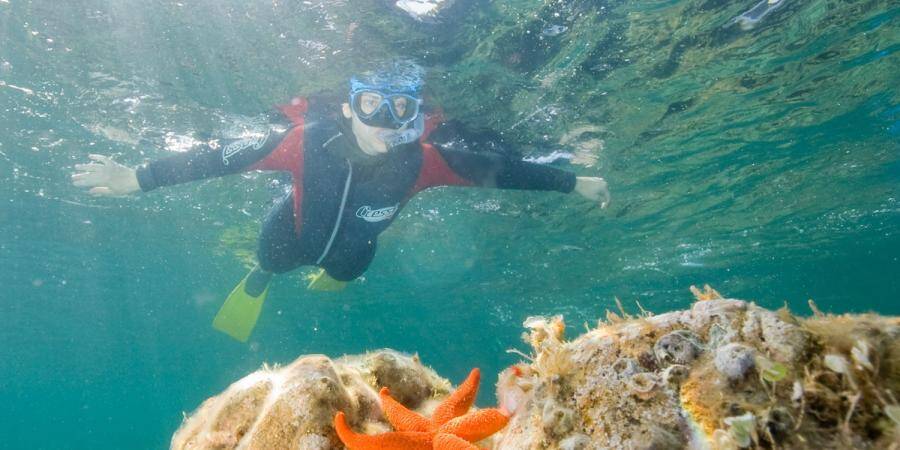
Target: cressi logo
<point x="376" y="215"/>
<point x="255" y="142"/>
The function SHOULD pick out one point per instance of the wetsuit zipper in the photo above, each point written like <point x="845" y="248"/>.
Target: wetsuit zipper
<point x="337" y="223"/>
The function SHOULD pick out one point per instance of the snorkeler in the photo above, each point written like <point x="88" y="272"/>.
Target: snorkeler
<point x="354" y="166"/>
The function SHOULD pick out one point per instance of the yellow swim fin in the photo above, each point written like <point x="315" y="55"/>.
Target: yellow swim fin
<point x="323" y="282"/>
<point x="241" y="309"/>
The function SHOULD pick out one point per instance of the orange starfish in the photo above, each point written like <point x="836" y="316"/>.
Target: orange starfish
<point x="449" y="428"/>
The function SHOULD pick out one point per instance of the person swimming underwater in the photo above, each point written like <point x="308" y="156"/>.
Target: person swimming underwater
<point x="354" y="165"/>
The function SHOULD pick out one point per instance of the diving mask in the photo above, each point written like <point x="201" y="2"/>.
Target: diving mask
<point x="384" y="110"/>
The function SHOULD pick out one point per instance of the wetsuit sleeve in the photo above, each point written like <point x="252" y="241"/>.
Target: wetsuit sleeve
<point x="215" y="159"/>
<point x="457" y="167"/>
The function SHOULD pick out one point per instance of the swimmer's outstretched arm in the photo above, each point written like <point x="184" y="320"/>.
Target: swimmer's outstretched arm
<point x="106" y="177"/>
<point x="593" y="188"/>
<point x="481" y="159"/>
<point x="487" y="169"/>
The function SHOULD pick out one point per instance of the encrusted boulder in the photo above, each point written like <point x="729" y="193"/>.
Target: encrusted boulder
<point x="725" y="374"/>
<point x="294" y="406"/>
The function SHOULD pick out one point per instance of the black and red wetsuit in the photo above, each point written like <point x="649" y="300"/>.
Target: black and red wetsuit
<point x="341" y="201"/>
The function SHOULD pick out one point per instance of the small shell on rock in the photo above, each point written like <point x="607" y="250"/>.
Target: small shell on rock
<point x="734" y="360"/>
<point x="677" y="347"/>
<point x="837" y="363"/>
<point x="797" y="393"/>
<point x="643" y="385"/>
<point x="626" y="367"/>
<point x="860" y="353"/>
<point x="675" y="374"/>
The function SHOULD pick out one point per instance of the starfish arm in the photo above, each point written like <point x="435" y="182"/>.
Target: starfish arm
<point x="400" y="440"/>
<point x="459" y="401"/>
<point x="401" y="418"/>
<point x="445" y="441"/>
<point x="478" y="425"/>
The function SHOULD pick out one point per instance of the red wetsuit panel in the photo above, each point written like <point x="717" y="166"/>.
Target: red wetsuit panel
<point x="436" y="172"/>
<point x="288" y="156"/>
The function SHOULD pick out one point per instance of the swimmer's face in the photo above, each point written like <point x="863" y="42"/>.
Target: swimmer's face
<point x="366" y="136"/>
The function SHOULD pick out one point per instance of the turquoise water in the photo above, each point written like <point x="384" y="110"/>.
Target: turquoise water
<point x="764" y="161"/>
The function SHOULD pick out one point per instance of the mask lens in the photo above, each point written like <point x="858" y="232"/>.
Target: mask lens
<point x="368" y="103"/>
<point x="404" y="107"/>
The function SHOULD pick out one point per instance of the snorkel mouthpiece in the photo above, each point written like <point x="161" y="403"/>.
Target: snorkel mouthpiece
<point x="396" y="138"/>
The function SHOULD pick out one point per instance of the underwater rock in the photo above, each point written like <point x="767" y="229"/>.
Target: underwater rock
<point x="294" y="406"/>
<point x="724" y="374"/>
<point x="727" y="374"/>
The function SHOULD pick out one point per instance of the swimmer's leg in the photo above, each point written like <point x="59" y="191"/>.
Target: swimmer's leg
<point x="279" y="251"/>
<point x="341" y="269"/>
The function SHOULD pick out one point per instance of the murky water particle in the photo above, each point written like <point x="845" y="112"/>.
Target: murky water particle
<point x="554" y="30"/>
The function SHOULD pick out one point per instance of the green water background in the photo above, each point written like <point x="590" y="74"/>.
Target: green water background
<point x="765" y="162"/>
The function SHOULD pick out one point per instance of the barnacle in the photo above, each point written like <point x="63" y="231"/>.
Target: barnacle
<point x="734" y="360"/>
<point x="677" y="347"/>
<point x="675" y="374"/>
<point x="643" y="385"/>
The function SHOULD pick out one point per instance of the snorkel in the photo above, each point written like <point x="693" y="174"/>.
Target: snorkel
<point x="389" y="99"/>
<point x="396" y="138"/>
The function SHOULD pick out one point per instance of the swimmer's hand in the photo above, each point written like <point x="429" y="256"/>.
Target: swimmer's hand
<point x="593" y="188"/>
<point x="105" y="177"/>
